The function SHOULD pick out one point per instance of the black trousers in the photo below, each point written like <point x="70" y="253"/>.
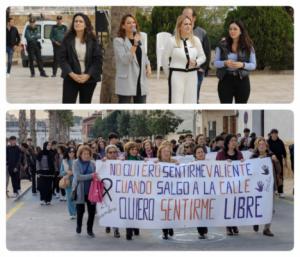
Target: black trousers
<point x="34" y="52"/>
<point x="15" y="180"/>
<point x="45" y="188"/>
<point x="56" y="52"/>
<point x="71" y="89"/>
<point x="33" y="174"/>
<point x="91" y="214"/>
<point x="280" y="188"/>
<point x="232" y="87"/>
<point x="202" y="230"/>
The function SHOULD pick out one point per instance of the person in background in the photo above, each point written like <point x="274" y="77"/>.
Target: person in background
<point x="234" y="59"/>
<point x="13" y="162"/>
<point x="132" y="63"/>
<point x="101" y="149"/>
<point x="84" y="170"/>
<point x="32" y="36"/>
<point x="202" y="35"/>
<point x="61" y="152"/>
<point x="174" y="147"/>
<point x="66" y="169"/>
<point x="12" y="42"/>
<point x="201" y="140"/>
<point x="219" y="144"/>
<point x="199" y="154"/>
<point x="230" y="153"/>
<point x="80" y="61"/>
<point x="46" y="173"/>
<point x="148" y="150"/>
<point x="278" y="148"/>
<point x="157" y="142"/>
<point x="57" y="35"/>
<point x="245" y="140"/>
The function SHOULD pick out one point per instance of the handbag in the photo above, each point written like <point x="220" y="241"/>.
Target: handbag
<point x="64" y="182"/>
<point x="96" y="191"/>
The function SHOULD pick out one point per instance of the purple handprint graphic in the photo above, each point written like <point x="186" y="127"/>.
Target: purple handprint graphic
<point x="260" y="186"/>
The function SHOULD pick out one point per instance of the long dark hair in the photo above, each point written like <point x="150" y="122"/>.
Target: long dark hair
<point x="88" y="31"/>
<point x="122" y="32"/>
<point x="226" y="143"/>
<point x="245" y="43"/>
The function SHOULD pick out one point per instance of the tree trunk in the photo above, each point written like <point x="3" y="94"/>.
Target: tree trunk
<point x="32" y="126"/>
<point x="22" y="126"/>
<point x="107" y="94"/>
<point x="53" y="135"/>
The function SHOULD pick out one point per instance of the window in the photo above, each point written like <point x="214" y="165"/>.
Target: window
<point x="47" y="31"/>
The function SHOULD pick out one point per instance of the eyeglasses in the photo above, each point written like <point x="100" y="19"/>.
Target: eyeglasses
<point x="112" y="152"/>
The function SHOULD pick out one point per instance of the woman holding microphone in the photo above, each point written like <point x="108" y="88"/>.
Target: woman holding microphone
<point x="186" y="53"/>
<point x="132" y="64"/>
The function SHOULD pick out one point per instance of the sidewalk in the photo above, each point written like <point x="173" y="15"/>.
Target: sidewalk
<point x="265" y="88"/>
<point x="25" y="187"/>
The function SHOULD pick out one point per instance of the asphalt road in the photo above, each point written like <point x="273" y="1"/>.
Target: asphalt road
<point x="48" y="228"/>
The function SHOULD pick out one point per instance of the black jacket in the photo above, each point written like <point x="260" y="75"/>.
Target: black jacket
<point x="93" y="59"/>
<point x="278" y="148"/>
<point x="13" y="157"/>
<point x="12" y="37"/>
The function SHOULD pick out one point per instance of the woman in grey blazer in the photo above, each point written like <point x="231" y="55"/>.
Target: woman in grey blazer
<point x="132" y="64"/>
<point x="83" y="171"/>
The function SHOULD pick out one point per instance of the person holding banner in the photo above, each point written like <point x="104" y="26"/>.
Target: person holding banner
<point x="148" y="149"/>
<point x="132" y="154"/>
<point x="164" y="154"/>
<point x="111" y="153"/>
<point x="199" y="154"/>
<point x="261" y="150"/>
<point x="83" y="170"/>
<point x="230" y="153"/>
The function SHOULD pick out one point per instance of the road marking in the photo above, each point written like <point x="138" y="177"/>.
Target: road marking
<point x="13" y="210"/>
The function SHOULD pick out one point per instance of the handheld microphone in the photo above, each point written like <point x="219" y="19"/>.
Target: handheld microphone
<point x="134" y="31"/>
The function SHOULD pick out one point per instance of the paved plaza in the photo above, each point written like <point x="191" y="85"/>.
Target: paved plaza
<point x="265" y="88"/>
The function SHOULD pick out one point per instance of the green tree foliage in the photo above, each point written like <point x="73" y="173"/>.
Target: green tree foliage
<point x="163" y="122"/>
<point x="66" y="117"/>
<point x="107" y="125"/>
<point x="139" y="124"/>
<point x="271" y="29"/>
<point x="123" y="121"/>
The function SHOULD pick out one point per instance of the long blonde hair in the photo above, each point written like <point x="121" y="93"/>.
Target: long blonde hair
<point x="179" y="22"/>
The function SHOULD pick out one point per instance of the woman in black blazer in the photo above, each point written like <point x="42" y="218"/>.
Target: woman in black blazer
<point x="80" y="60"/>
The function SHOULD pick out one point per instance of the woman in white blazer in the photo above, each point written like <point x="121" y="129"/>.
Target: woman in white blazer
<point x="132" y="64"/>
<point x="186" y="53"/>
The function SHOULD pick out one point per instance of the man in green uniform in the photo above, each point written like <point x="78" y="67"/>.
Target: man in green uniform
<point x="32" y="35"/>
<point x="57" y="35"/>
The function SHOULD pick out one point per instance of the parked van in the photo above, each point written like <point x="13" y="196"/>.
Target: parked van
<point x="44" y="27"/>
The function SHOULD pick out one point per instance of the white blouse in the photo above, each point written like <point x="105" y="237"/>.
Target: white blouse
<point x="81" y="51"/>
<point x="178" y="54"/>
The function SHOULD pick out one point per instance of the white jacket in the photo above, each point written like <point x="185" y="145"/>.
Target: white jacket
<point x="178" y="55"/>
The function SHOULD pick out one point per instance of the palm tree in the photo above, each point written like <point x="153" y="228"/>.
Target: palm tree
<point x="65" y="121"/>
<point x="52" y="125"/>
<point x="22" y="126"/>
<point x="32" y="126"/>
<point x="109" y="70"/>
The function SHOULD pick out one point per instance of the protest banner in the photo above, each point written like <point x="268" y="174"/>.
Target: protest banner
<point x="202" y="193"/>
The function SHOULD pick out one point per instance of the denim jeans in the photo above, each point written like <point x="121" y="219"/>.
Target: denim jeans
<point x="200" y="79"/>
<point x="10" y="53"/>
<point x="70" y="203"/>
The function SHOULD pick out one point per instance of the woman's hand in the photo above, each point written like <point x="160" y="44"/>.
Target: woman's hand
<point x="75" y="77"/>
<point x="69" y="172"/>
<point x="192" y="63"/>
<point x="83" y="78"/>
<point x="136" y="39"/>
<point x="148" y="70"/>
<point x="237" y="65"/>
